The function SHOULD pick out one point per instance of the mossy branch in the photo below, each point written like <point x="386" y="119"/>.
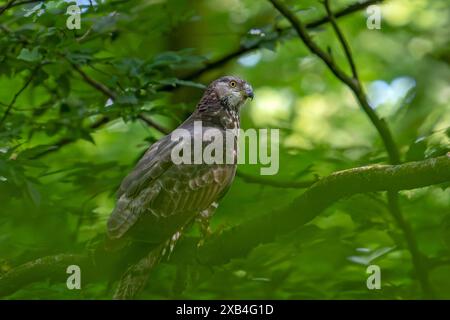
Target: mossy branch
<point x="236" y="242"/>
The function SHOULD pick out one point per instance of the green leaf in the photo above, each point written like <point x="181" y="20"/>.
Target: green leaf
<point x="30" y="56"/>
<point x="87" y="136"/>
<point x="33" y="151"/>
<point x="33" y="193"/>
<point x="127" y="98"/>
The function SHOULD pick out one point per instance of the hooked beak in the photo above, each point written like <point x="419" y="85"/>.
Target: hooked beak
<point x="248" y="90"/>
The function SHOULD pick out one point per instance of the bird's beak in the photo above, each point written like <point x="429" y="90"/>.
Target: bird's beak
<point x="248" y="91"/>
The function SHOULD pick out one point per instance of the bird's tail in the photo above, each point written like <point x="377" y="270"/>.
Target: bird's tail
<point x="135" y="277"/>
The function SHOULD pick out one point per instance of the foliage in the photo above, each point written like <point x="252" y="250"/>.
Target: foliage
<point x="72" y="104"/>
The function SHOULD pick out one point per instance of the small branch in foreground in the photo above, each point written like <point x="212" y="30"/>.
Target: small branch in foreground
<point x="153" y="124"/>
<point x="95" y="84"/>
<point x="342" y="40"/>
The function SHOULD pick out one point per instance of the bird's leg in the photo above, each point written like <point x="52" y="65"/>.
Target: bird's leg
<point x="203" y="219"/>
<point x="170" y="244"/>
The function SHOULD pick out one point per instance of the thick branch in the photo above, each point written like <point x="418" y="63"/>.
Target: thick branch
<point x="65" y="141"/>
<point x="238" y="241"/>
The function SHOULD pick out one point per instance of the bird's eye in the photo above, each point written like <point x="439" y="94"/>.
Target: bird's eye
<point x="232" y="83"/>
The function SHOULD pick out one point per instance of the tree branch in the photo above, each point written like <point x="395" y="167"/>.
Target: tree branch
<point x="153" y="124"/>
<point x="381" y="126"/>
<point x="275" y="183"/>
<point x="354" y="85"/>
<point x="65" y="141"/>
<point x="393" y="199"/>
<point x="238" y="241"/>
<point x="53" y="267"/>
<point x="8" y="5"/>
<point x="246" y="49"/>
<point x="101" y="121"/>
<point x="15" y="3"/>
<point x="95" y="84"/>
<point x="215" y="64"/>
<point x="342" y="40"/>
<point x="18" y="93"/>
<point x="418" y="260"/>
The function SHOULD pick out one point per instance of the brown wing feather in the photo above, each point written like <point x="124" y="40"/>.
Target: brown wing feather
<point x="131" y="192"/>
<point x="157" y="190"/>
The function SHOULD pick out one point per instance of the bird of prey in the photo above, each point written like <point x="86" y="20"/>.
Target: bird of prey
<point x="159" y="198"/>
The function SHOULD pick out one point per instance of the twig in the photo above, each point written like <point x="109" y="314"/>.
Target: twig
<point x="382" y="128"/>
<point x="112" y="95"/>
<point x="275" y="183"/>
<point x="13" y="3"/>
<point x="153" y="124"/>
<point x="82" y="37"/>
<point x="221" y="61"/>
<point x="342" y="40"/>
<point x="8" y="5"/>
<point x="310" y="25"/>
<point x="95" y="84"/>
<point x="65" y="141"/>
<point x="357" y="6"/>
<point x="103" y="120"/>
<point x="416" y="256"/>
<point x="393" y="197"/>
<point x="238" y="241"/>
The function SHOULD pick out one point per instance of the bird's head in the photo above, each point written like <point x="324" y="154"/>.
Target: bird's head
<point x="231" y="91"/>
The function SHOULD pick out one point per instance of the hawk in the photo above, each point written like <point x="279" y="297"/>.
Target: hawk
<point x="159" y="198"/>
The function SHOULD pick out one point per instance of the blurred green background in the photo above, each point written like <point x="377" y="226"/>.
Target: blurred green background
<point x="65" y="146"/>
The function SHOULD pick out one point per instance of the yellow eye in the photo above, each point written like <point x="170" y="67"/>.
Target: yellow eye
<point x="232" y="83"/>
